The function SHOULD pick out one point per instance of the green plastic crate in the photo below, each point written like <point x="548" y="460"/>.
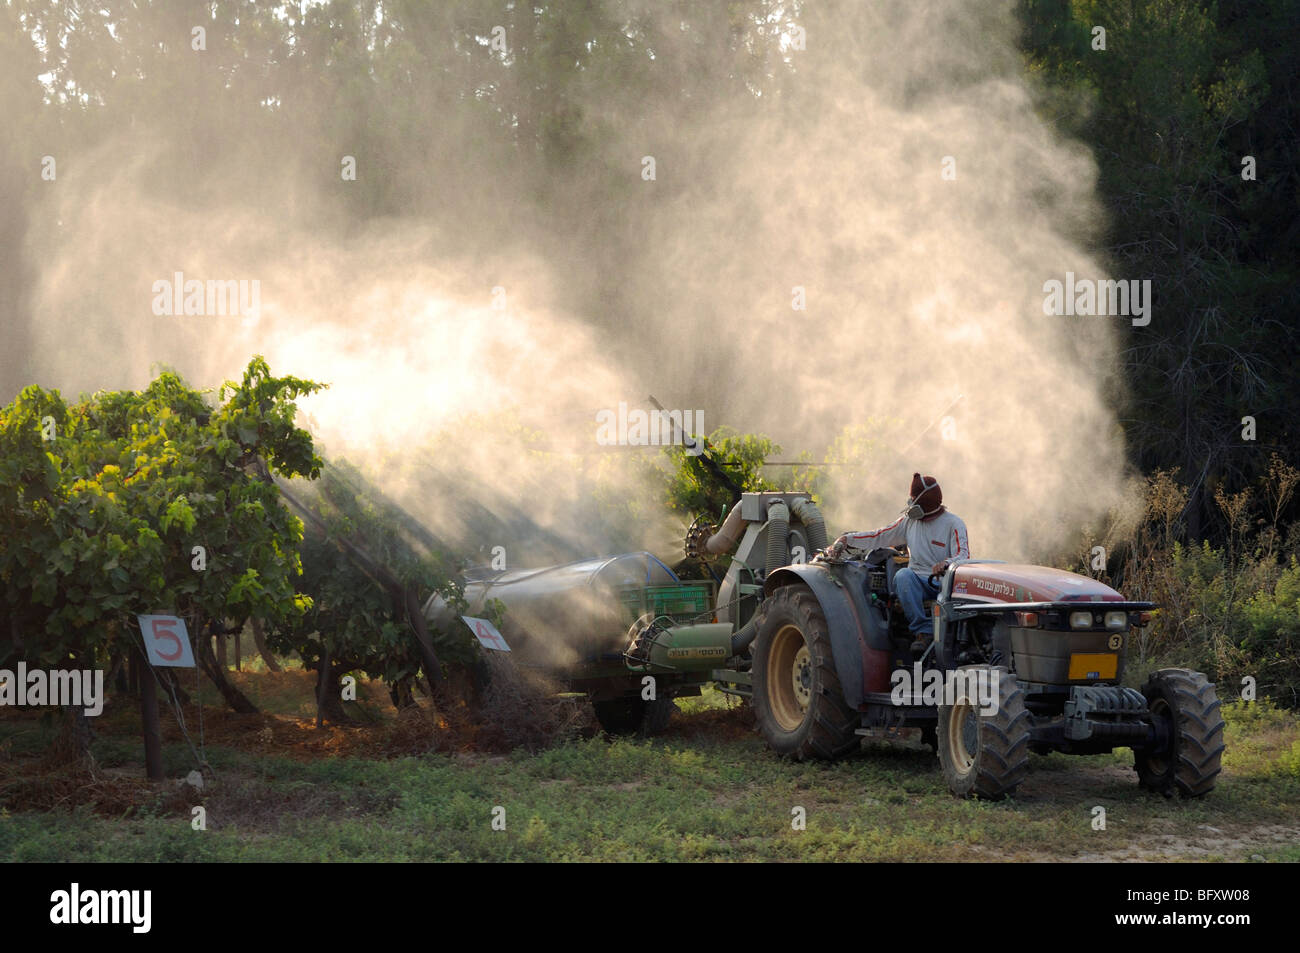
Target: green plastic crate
<point x="680" y="603"/>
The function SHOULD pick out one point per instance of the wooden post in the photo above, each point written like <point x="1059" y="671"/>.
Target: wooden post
<point x="141" y="669"/>
<point x="238" y="666"/>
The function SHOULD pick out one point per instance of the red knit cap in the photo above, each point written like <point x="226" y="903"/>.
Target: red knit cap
<point x="926" y="493"/>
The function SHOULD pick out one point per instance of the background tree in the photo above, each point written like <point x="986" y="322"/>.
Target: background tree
<point x="1182" y="94"/>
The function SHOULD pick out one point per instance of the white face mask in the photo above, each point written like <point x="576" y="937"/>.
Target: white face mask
<point x="913" y="510"/>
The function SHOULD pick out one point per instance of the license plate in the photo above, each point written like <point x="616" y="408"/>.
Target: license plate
<point x="1093" y="666"/>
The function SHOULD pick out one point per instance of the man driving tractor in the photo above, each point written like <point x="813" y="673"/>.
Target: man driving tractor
<point x="933" y="536"/>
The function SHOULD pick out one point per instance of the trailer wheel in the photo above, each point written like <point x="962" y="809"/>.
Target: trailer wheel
<point x="985" y="755"/>
<point x="797" y="696"/>
<point x="1184" y="702"/>
<point x="634" y="716"/>
<point x="655" y="717"/>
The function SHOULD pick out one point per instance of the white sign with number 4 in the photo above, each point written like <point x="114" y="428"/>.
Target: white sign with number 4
<point x="166" y="641"/>
<point x="486" y="633"/>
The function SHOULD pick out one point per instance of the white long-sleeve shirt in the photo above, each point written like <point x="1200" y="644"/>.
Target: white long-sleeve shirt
<point x="928" y="542"/>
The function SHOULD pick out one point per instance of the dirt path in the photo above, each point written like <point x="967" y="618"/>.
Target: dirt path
<point x="1239" y="843"/>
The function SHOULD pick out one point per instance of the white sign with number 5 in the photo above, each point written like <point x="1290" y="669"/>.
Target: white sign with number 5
<point x="486" y="633"/>
<point x="166" y="641"/>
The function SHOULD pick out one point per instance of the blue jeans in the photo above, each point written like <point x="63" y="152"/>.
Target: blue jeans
<point x="911" y="587"/>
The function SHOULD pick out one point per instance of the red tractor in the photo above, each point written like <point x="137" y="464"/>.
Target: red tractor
<point x="1024" y="658"/>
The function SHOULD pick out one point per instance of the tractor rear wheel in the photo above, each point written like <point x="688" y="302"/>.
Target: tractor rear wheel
<point x="1184" y="702"/>
<point x="798" y="700"/>
<point x="984" y="755"/>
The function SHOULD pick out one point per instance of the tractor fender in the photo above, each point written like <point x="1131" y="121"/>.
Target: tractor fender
<point x="847" y="624"/>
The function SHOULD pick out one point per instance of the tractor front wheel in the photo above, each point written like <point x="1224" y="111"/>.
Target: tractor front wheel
<point x="1185" y="708"/>
<point x="798" y="700"/>
<point x="984" y="754"/>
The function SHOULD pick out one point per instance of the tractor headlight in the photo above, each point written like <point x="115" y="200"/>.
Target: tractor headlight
<point x="1081" y="620"/>
<point x="1117" y="621"/>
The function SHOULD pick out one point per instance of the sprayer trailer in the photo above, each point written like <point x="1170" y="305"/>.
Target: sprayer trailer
<point x="571" y="622"/>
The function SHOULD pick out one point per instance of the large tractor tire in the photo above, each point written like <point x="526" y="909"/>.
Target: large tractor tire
<point x="985" y="755"/>
<point x="634" y="716"/>
<point x="798" y="700"/>
<point x="1186" y="704"/>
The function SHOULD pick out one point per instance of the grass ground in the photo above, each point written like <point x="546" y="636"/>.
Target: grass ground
<point x="706" y="790"/>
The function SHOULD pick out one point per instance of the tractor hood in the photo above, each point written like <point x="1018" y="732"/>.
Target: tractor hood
<point x="1009" y="582"/>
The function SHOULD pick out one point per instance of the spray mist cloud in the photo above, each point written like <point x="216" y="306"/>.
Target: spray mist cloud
<point x="856" y="246"/>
